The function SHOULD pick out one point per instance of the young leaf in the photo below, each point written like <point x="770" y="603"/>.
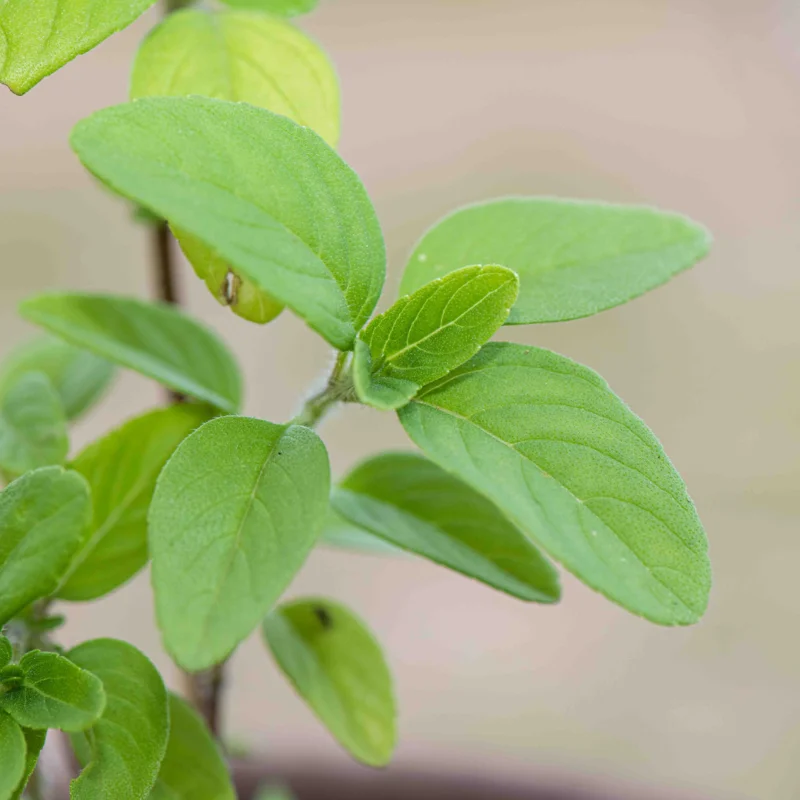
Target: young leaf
<point x="121" y="470"/>
<point x="236" y="511"/>
<point x="79" y="377"/>
<point x="379" y="391"/>
<point x="568" y="462"/>
<point x="127" y="744"/>
<point x="244" y="56"/>
<point x="440" y="326"/>
<point x="274" y="793"/>
<point x="34" y="743"/>
<point x="268" y="196"/>
<point x="193" y="767"/>
<point x="153" y="339"/>
<point x="338" y="668"/>
<point x="12" y="756"/>
<point x="6" y="652"/>
<point x="281" y="8"/>
<point x="230" y="289"/>
<point x="54" y="694"/>
<point x="38" y="38"/>
<point x="414" y="504"/>
<point x="33" y="428"/>
<point x="44" y="521"/>
<point x="573" y="258"/>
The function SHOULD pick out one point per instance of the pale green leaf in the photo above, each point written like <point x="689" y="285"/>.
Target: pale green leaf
<point x="341" y="534"/>
<point x="338" y="668"/>
<point x="379" y="391"/>
<point x="282" y="8"/>
<point x="33" y="428"/>
<point x="154" y="339"/>
<point x="570" y="464"/>
<point x="12" y="756"/>
<point x="268" y="196"/>
<point x="415" y="505"/>
<point x="236" y="511"/>
<point x="243" y="56"/>
<point x="573" y="258"/>
<point x="430" y="332"/>
<point x="79" y="377"/>
<point x="37" y="37"/>
<point x="121" y="469"/>
<point x="6" y="652"/>
<point x="54" y="693"/>
<point x="128" y="743"/>
<point x="44" y="521"/>
<point x="242" y="296"/>
<point x="193" y="767"/>
<point x="34" y="742"/>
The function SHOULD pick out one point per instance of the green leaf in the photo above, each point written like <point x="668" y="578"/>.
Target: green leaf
<point x="6" y="652"/>
<point x="34" y="742"/>
<point x="570" y="464"/>
<point x="236" y="511"/>
<point x="38" y="38"/>
<point x="33" y="428"/>
<point x="415" y="505"/>
<point x="193" y="768"/>
<point x="430" y="332"/>
<point x="121" y="469"/>
<point x="79" y="377"/>
<point x="344" y="535"/>
<point x="338" y="668"/>
<point x="153" y="339"/>
<point x="129" y="741"/>
<point x="244" y="56"/>
<point x="573" y="258"/>
<point x="281" y="8"/>
<point x="54" y="694"/>
<point x="268" y="196"/>
<point x="378" y="391"/>
<point x="12" y="756"/>
<point x="44" y="521"/>
<point x="242" y="296"/>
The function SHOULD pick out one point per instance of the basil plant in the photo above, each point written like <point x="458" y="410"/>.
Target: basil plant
<point x="523" y="461"/>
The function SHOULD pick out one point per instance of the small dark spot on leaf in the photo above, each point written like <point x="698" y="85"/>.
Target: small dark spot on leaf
<point x="324" y="617"/>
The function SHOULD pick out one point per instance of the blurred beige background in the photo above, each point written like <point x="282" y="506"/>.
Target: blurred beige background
<point x="687" y="104"/>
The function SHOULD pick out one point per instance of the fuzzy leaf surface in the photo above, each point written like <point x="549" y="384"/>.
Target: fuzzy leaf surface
<point x="34" y="742"/>
<point x="568" y="462"/>
<point x="55" y="693"/>
<point x="154" y="339"/>
<point x="573" y="258"/>
<point x="338" y="668"/>
<point x="236" y="512"/>
<point x="37" y="37"/>
<point x="121" y="469"/>
<point x="268" y="196"/>
<point x="44" y="522"/>
<point x="126" y="746"/>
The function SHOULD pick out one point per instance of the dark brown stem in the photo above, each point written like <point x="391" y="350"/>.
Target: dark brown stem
<point x="165" y="264"/>
<point x="205" y="690"/>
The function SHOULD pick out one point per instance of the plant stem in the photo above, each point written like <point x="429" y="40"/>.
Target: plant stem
<point x="205" y="691"/>
<point x="337" y="390"/>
